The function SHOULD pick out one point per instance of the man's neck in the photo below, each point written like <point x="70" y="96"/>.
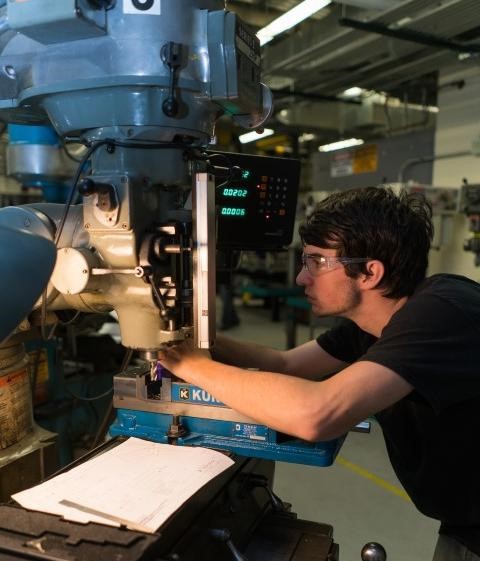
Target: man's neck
<point x="373" y="314"/>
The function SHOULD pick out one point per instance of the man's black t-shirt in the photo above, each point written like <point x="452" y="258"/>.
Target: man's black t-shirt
<point x="432" y="434"/>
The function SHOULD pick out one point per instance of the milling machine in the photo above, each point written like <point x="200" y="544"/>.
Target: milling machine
<point x="141" y="83"/>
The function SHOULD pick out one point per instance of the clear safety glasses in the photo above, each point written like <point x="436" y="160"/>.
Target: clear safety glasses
<point x="316" y="264"/>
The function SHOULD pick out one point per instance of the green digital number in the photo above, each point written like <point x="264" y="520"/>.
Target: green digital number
<point x="233" y="211"/>
<point x="229" y="192"/>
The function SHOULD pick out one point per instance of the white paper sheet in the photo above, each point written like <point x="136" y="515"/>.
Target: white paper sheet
<point x="137" y="483"/>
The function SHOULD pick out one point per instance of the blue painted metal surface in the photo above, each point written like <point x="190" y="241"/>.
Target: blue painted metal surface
<point x="38" y="169"/>
<point x="244" y="439"/>
<point x="32" y="134"/>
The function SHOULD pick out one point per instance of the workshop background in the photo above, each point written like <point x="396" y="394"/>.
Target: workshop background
<point x="400" y="81"/>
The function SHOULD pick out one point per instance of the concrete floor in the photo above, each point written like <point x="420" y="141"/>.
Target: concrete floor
<point x="359" y="495"/>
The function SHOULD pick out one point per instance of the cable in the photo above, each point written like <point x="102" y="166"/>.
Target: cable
<point x="102" y="429"/>
<point x="71" y="320"/>
<point x="81" y="398"/>
<point x="91" y="150"/>
<point x="73" y="190"/>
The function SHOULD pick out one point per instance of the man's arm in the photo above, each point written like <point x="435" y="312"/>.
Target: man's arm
<point x="306" y="361"/>
<point x="304" y="408"/>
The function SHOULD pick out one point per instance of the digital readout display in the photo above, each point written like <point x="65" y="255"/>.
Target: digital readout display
<point x="233" y="211"/>
<point x="229" y="192"/>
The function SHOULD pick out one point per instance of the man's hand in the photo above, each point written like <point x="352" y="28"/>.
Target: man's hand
<point x="182" y="359"/>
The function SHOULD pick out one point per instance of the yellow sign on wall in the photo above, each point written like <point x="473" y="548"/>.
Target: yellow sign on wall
<point x="365" y="159"/>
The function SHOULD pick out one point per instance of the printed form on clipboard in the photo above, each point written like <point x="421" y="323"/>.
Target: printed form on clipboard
<point x="138" y="484"/>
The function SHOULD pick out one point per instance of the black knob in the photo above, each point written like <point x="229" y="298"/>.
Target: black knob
<point x="170" y="107"/>
<point x="87" y="187"/>
<point x="102" y="4"/>
<point x="224" y="535"/>
<point x="373" y="551"/>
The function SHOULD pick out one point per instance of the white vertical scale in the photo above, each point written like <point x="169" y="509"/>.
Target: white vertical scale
<point x="204" y="245"/>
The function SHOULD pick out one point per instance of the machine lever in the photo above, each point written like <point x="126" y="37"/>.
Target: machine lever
<point x="107" y="199"/>
<point x="373" y="551"/>
<point x="88" y="187"/>
<point x="254" y="480"/>
<point x="277" y="503"/>
<point x="224" y="535"/>
<point x="171" y="55"/>
<point x="159" y="298"/>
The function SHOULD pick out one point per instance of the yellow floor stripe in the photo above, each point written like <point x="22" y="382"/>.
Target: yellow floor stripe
<point x="374" y="478"/>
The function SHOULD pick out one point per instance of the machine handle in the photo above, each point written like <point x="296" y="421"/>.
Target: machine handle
<point x="171" y="54"/>
<point x="224" y="535"/>
<point x="373" y="551"/>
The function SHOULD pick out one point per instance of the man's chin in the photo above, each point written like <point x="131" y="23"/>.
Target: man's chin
<point x="318" y="311"/>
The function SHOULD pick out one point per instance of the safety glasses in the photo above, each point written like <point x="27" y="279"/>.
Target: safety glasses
<point x="316" y="264"/>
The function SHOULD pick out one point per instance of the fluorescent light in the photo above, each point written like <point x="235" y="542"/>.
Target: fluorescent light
<point x="352" y="92"/>
<point x="254" y="135"/>
<point x="347" y="143"/>
<point x="291" y="18"/>
<point x="306" y="137"/>
<point x="380" y="98"/>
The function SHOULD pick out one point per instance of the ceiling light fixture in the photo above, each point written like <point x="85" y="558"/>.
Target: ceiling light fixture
<point x="306" y="137"/>
<point x="347" y="143"/>
<point x="254" y="135"/>
<point x="289" y="19"/>
<point x="355" y="91"/>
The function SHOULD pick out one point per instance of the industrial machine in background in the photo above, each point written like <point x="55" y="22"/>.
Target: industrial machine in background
<point x="470" y="206"/>
<point x="141" y="84"/>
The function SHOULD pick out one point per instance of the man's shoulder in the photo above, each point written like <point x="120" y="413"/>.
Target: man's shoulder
<point x="443" y="295"/>
<point x="456" y="289"/>
<point x="447" y="281"/>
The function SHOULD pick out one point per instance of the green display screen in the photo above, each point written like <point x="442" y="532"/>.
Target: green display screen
<point x="233" y="211"/>
<point x="229" y="192"/>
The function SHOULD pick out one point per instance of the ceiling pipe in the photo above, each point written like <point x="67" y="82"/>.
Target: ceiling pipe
<point x="422" y="160"/>
<point x="409" y="35"/>
<point x="370" y="4"/>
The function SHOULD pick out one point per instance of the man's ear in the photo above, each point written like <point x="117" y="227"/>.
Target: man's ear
<point x="375" y="272"/>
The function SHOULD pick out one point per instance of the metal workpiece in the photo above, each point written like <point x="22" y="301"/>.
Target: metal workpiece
<point x="131" y="391"/>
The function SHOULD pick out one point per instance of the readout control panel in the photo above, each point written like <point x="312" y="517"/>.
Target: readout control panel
<point x="256" y="206"/>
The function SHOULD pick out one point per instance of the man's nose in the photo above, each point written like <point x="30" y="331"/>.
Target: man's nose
<point x="302" y="277"/>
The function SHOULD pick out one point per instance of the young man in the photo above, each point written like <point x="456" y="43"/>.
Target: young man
<point x="409" y="354"/>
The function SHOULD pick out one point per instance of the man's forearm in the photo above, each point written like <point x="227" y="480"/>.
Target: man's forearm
<point x="247" y="355"/>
